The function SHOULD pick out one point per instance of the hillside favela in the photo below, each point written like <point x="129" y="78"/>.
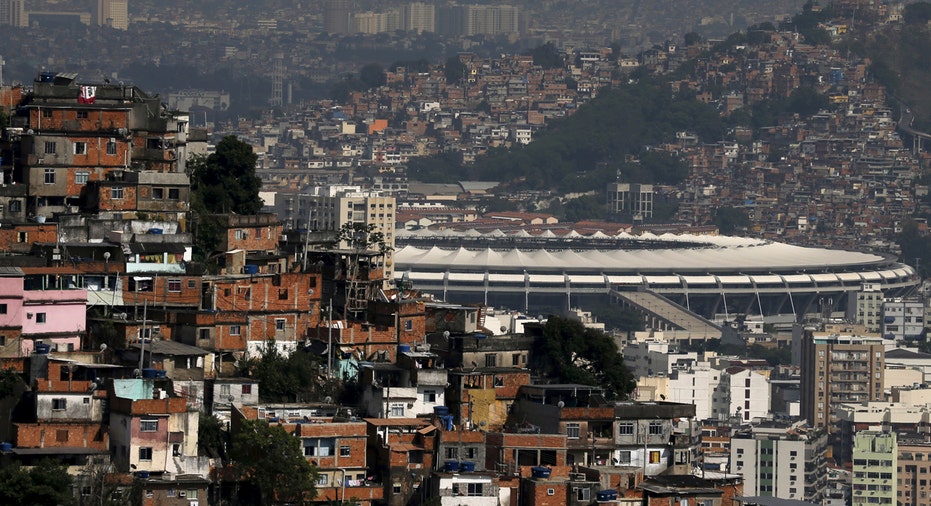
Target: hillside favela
<point x="465" y="253"/>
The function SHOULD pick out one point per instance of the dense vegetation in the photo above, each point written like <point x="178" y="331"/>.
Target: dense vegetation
<point x="570" y="353"/>
<point x="271" y="465"/>
<point x="590" y="148"/>
<point x="288" y="378"/>
<point x="48" y="483"/>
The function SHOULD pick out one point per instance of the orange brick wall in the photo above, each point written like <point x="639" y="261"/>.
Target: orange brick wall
<point x="62" y="435"/>
<point x="127" y="203"/>
<point x="10" y="236"/>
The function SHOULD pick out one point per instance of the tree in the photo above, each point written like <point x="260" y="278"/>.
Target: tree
<point x="547" y="56"/>
<point x="225" y="181"/>
<point x="917" y="13"/>
<point x="291" y="378"/>
<point x="454" y="70"/>
<point x="211" y="438"/>
<point x="571" y="353"/>
<point x="272" y="461"/>
<point x="730" y="219"/>
<point x="373" y="76"/>
<point x="48" y="483"/>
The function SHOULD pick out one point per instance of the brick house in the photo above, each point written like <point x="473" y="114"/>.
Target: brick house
<point x="152" y="430"/>
<point x="404" y="449"/>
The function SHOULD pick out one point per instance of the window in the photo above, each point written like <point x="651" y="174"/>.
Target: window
<point x="234" y="330"/>
<point x="515" y="359"/>
<point x="191" y="284"/>
<point x="319" y="447"/>
<point x="174" y="285"/>
<point x="145" y="453"/>
<point x="158" y="193"/>
<point x="344" y="451"/>
<point x="655" y="457"/>
<point x="409" y="325"/>
<point x="625" y="429"/>
<point x="282" y="294"/>
<point x="174" y="194"/>
<point x="49" y="176"/>
<point x="623" y="457"/>
<point x="46" y="113"/>
<point x="50" y="147"/>
<point x="396" y="488"/>
<point x="551" y="491"/>
<point x="429" y="396"/>
<point x="80" y="148"/>
<point x="452" y="453"/>
<point x="81" y="177"/>
<point x="573" y="430"/>
<point x="247" y="389"/>
<point x="116" y="192"/>
<point x="192" y="493"/>
<point x="583" y="494"/>
<point x="111" y="147"/>
<point x="2" y="308"/>
<point x="491" y="360"/>
<point x="397" y="410"/>
<point x="279" y="323"/>
<point x="148" y="425"/>
<point x="170" y="493"/>
<point x="656" y="428"/>
<point x="322" y="479"/>
<point x="40" y="318"/>
<point x="474" y="489"/>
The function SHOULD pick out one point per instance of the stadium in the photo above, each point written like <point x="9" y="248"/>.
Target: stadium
<point x="706" y="275"/>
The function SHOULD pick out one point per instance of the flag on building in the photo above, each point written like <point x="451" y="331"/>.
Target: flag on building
<point x="88" y="95"/>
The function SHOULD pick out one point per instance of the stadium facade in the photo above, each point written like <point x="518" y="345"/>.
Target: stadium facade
<point x="708" y="275"/>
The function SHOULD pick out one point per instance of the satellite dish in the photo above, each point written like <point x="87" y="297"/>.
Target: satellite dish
<point x="103" y="346"/>
<point x="445" y="334"/>
<point x="230" y="397"/>
<point x="122" y="316"/>
<point x="93" y="387"/>
<point x="328" y="400"/>
<point x="310" y="292"/>
<point x="137" y="373"/>
<point x="561" y="404"/>
<point x="504" y="328"/>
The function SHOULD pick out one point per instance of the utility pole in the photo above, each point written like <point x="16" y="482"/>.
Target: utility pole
<point x="329" y="353"/>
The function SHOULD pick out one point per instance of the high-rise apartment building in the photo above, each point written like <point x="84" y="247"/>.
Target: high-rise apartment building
<point x="113" y="13"/>
<point x="836" y="370"/>
<point x="868" y="308"/>
<point x="478" y="20"/>
<point x="631" y="198"/>
<point x="13" y="13"/>
<point x="784" y="461"/>
<point x="874" y="468"/>
<point x="336" y="15"/>
<point x="913" y="487"/>
<point x="418" y="17"/>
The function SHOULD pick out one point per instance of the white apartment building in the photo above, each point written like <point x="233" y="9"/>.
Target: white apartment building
<point x="782" y="461"/>
<point x="868" y="308"/>
<point x="742" y="392"/>
<point x="902" y="318"/>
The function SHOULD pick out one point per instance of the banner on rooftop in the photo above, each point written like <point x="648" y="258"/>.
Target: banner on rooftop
<point x="88" y="95"/>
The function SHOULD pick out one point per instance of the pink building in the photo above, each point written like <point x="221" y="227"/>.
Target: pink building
<point x="41" y="305"/>
<point x="11" y="311"/>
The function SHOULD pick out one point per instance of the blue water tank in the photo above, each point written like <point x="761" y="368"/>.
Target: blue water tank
<point x="159" y="373"/>
<point x="540" y="472"/>
<point x="404" y="348"/>
<point x="440" y="410"/>
<point x="467" y="467"/>
<point x="149" y="373"/>
<point x="5" y="447"/>
<point x="250" y="269"/>
<point x="46" y="77"/>
<point x="156" y="231"/>
<point x="606" y="495"/>
<point x="143" y="475"/>
<point x="43" y="349"/>
<point x="451" y="466"/>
